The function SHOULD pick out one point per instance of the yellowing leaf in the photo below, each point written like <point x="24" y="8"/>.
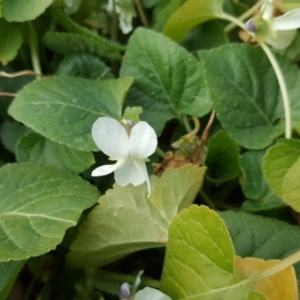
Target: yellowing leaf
<point x="176" y="189"/>
<point x="280" y="286"/>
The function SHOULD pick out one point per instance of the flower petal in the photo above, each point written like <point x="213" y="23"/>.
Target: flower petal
<point x="267" y="10"/>
<point x="129" y="172"/>
<point x="288" y="21"/>
<point x="282" y="40"/>
<point x="107" y="169"/>
<point x="111" y="137"/>
<point x="143" y="169"/>
<point x="142" y="141"/>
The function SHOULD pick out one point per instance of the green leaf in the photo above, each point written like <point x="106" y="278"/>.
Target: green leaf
<point x="70" y="43"/>
<point x="180" y="186"/>
<point x="11" y="132"/>
<point x="124" y="222"/>
<point x="191" y="14"/>
<point x="9" y="272"/>
<point x="222" y="158"/>
<point x="37" y="205"/>
<point x="127" y="220"/>
<point x="261" y="237"/>
<point x="194" y="271"/>
<point x="63" y="109"/>
<point x="168" y="81"/>
<point x="11" y="41"/>
<point x="163" y="11"/>
<point x="281" y="169"/>
<point x="245" y="93"/>
<point x="20" y="11"/>
<point x="83" y="65"/>
<point x="259" y="195"/>
<point x="36" y="149"/>
<point x="200" y="36"/>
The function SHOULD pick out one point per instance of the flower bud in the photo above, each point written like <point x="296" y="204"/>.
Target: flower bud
<point x="250" y="26"/>
<point x="125" y="291"/>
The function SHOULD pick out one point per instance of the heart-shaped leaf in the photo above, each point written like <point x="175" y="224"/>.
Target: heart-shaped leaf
<point x="37" y="205"/>
<point x="64" y="109"/>
<point x="168" y="81"/>
<point x="35" y="148"/>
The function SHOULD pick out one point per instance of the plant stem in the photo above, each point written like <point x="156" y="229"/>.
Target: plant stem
<point x="285" y="263"/>
<point x="114" y="23"/>
<point x="141" y="13"/>
<point x="233" y="20"/>
<point x="160" y="152"/>
<point x="34" y="49"/>
<point x="283" y="89"/>
<point x="207" y="200"/>
<point x="244" y="16"/>
<point x="186" y="124"/>
<point x="17" y="74"/>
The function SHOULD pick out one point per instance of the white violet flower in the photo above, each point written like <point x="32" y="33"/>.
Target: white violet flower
<point x="278" y="32"/>
<point x="129" y="146"/>
<point x="125" y="10"/>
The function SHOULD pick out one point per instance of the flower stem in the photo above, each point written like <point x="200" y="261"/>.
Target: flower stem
<point x="207" y="200"/>
<point x="160" y="152"/>
<point x="278" y="73"/>
<point x="114" y="24"/>
<point x="186" y="124"/>
<point x="283" y="88"/>
<point x="34" y="49"/>
<point x="244" y="16"/>
<point x="141" y="13"/>
<point x="235" y="21"/>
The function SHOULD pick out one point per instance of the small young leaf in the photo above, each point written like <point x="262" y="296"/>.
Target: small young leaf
<point x="168" y="81"/>
<point x="176" y="189"/>
<point x="37" y="205"/>
<point x="191" y="14"/>
<point x="133" y="113"/>
<point x="222" y="158"/>
<point x="10" y="43"/>
<point x="281" y="169"/>
<point x="35" y="148"/>
<point x="64" y="109"/>
<point x="124" y="222"/>
<point x="20" y="11"/>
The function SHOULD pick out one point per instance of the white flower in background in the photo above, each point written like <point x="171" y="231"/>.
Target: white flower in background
<point x="278" y="32"/>
<point x="126" y="12"/>
<point x="130" y="148"/>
